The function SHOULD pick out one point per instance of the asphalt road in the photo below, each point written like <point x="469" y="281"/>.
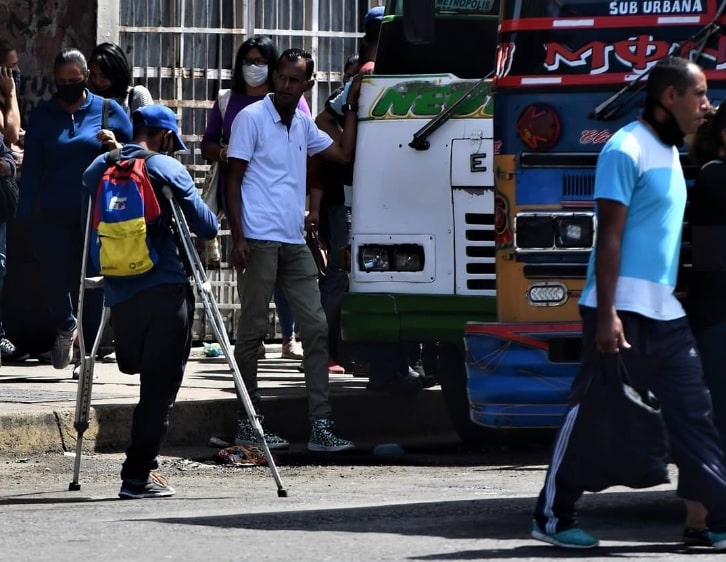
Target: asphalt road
<point x="434" y="502"/>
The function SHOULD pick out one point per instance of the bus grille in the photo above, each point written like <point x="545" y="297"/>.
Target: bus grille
<point x="578" y="187"/>
<point x="479" y="253"/>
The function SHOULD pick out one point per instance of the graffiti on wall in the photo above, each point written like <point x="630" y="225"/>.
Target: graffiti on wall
<point x="39" y="29"/>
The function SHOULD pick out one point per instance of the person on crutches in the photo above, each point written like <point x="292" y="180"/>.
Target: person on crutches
<point x="152" y="313"/>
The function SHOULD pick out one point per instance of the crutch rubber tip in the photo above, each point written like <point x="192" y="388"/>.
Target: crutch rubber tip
<point x="281" y="493"/>
<point x="74" y="487"/>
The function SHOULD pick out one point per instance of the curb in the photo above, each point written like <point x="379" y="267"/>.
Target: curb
<point x="360" y="416"/>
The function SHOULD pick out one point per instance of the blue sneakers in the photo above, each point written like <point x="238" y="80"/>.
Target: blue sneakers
<point x="704" y="537"/>
<point x="572" y="538"/>
<point x="695" y="537"/>
<point x="717" y="540"/>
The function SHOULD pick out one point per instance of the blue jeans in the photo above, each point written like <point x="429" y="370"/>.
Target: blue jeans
<point x="284" y="314"/>
<point x="3" y="268"/>
<point x="57" y="240"/>
<point x="339" y="232"/>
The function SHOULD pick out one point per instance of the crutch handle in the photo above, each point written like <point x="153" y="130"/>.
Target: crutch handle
<point x="166" y="190"/>
<point x="93" y="282"/>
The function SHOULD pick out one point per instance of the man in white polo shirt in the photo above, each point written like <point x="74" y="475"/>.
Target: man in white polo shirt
<point x="266" y="181"/>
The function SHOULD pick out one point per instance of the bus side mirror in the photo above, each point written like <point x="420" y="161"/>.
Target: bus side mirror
<point x="418" y="21"/>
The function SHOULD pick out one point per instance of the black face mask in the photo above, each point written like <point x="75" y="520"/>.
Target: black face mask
<point x="70" y="93"/>
<point x="104" y="92"/>
<point x="668" y="131"/>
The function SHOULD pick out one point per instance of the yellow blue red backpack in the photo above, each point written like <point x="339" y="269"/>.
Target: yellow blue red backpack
<point x="125" y="209"/>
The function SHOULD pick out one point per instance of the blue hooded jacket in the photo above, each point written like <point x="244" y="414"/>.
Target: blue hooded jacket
<point x="162" y="170"/>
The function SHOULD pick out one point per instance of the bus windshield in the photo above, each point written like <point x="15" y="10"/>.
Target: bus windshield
<point x="455" y="7"/>
<point x="605" y="44"/>
<point x="464" y="41"/>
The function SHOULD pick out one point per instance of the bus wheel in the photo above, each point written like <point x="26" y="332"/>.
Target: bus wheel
<point x="452" y="377"/>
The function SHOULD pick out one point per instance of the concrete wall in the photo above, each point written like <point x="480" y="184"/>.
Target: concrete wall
<point x="40" y="28"/>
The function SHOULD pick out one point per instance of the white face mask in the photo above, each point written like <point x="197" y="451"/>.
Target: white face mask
<point x="254" y="75"/>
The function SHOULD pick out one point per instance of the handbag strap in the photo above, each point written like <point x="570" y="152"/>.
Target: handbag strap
<point x="612" y="367"/>
<point x="222" y="102"/>
<point x="105" y="113"/>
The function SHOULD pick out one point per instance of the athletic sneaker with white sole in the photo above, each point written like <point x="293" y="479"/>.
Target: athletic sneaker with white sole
<point x="155" y="486"/>
<point x="324" y="440"/>
<point x="246" y="435"/>
<point x="717" y="540"/>
<point x="61" y="354"/>
<point x="569" y="538"/>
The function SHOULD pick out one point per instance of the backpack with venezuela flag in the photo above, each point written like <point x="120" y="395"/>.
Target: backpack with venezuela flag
<point x="126" y="206"/>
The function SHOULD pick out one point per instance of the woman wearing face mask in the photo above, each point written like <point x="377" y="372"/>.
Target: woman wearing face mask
<point x="252" y="79"/>
<point x="110" y="77"/>
<point x="63" y="137"/>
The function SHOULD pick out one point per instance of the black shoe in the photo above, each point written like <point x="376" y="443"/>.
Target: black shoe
<point x="425" y="380"/>
<point x="428" y="382"/>
<point x="398" y="384"/>
<point x="10" y="354"/>
<point x="155" y="486"/>
<point x="695" y="537"/>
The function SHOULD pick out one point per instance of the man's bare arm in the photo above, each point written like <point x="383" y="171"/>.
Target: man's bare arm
<point x="343" y="150"/>
<point x="327" y="123"/>
<point x="611" y="223"/>
<point x="235" y="173"/>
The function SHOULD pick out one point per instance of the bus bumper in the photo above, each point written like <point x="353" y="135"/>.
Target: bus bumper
<point x="519" y="375"/>
<point x="393" y="317"/>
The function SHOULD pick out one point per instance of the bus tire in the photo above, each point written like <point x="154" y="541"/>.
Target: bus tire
<point x="452" y="377"/>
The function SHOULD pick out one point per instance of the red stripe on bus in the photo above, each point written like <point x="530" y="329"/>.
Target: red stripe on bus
<point x="605" y="22"/>
<point x="618" y="79"/>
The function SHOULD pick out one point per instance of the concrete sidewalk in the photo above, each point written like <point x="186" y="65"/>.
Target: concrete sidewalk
<point x="37" y="406"/>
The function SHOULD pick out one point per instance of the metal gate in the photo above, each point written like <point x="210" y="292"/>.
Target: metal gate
<point x="183" y="51"/>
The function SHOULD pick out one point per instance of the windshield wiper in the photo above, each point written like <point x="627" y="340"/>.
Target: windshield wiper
<point x="607" y="110"/>
<point x="420" y="138"/>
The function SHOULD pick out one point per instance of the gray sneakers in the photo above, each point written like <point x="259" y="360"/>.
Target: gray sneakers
<point x="323" y="440"/>
<point x="246" y="435"/>
<point x="322" y="437"/>
<point x="155" y="486"/>
<point x="61" y="354"/>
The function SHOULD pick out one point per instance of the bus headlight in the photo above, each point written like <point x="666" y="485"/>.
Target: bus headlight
<point x="533" y="231"/>
<point x="408" y="257"/>
<point x="547" y="294"/>
<point x="556" y="231"/>
<point x="399" y="257"/>
<point x="574" y="231"/>
<point x="374" y="258"/>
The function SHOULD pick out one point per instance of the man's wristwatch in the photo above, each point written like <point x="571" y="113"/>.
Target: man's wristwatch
<point x="348" y="107"/>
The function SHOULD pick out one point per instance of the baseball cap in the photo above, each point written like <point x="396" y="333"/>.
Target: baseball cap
<point x="375" y="13"/>
<point x="158" y="117"/>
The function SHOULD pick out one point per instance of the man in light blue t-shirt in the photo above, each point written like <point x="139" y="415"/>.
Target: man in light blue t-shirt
<point x="628" y="305"/>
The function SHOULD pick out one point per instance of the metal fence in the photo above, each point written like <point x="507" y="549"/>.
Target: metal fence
<point x="184" y="50"/>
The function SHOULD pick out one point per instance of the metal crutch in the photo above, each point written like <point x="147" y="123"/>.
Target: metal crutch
<point x="88" y="361"/>
<point x="211" y="309"/>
